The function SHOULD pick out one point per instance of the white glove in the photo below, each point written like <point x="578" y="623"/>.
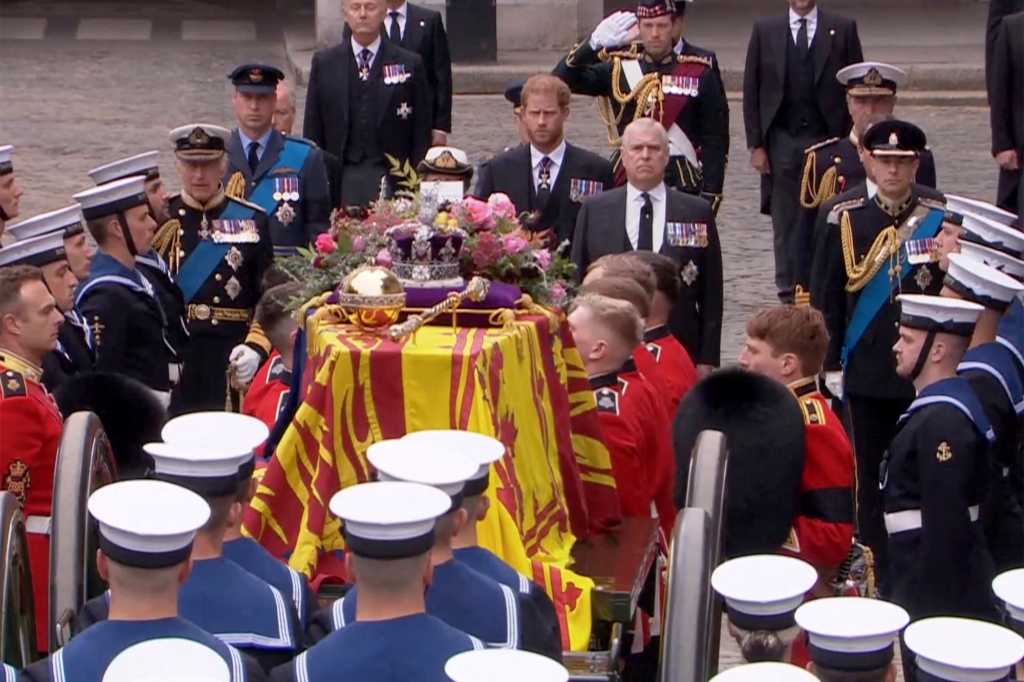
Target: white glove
<point x="612" y="30"/>
<point x="834" y="384"/>
<point x="245" y="361"/>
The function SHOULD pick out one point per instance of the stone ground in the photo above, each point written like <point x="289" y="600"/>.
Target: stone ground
<point x="71" y="104"/>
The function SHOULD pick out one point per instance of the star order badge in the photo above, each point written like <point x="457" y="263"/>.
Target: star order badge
<point x="18" y="480"/>
<point x="690" y="273"/>
<point x="923" y="277"/>
<point x="234" y="258"/>
<point x="233" y="288"/>
<point x="285" y="214"/>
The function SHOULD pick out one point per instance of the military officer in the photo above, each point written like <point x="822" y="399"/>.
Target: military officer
<point x="119" y="304"/>
<point x="31" y="424"/>
<point x="390" y="635"/>
<point x="43" y="246"/>
<point x="10" y="190"/>
<point x="220" y="596"/>
<point x="681" y="91"/>
<point x="150" y="263"/>
<point x="146" y="534"/>
<point x="77" y="248"/>
<point x="220" y="429"/>
<point x="282" y="174"/>
<point x="514" y="95"/>
<point x="936" y="471"/>
<point x="834" y="165"/>
<point x="189" y="660"/>
<point x="502" y="665"/>
<point x="217" y="247"/>
<point x="872" y="249"/>
<point x="959" y="650"/>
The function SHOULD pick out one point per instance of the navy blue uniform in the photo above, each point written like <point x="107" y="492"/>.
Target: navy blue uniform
<point x="938" y="465"/>
<point x="251" y="556"/>
<point x="87" y="656"/>
<point x="398" y="650"/>
<point x="73" y="355"/>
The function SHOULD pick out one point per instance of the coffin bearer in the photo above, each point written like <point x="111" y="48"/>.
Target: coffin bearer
<point x="217" y="248"/>
<point x="283" y="175"/>
<point x="151" y="264"/>
<point x="959" y="650"/>
<point x="682" y="92"/>
<point x="77" y="248"/>
<point x="118" y="303"/>
<point x="792" y="100"/>
<point x="10" y="190"/>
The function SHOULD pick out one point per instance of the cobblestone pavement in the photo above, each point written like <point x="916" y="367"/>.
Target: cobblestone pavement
<point x="72" y="105"/>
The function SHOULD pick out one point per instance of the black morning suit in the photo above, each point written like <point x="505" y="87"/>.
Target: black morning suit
<point x="696" y="319"/>
<point x="997" y="9"/>
<point x="425" y="35"/>
<point x="363" y="122"/>
<point x="1006" y="97"/>
<point x="791" y="101"/>
<point x="512" y="172"/>
<point x="875" y="394"/>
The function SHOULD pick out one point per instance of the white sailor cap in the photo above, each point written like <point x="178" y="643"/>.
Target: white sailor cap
<point x="389" y="519"/>
<point x="851" y="633"/>
<point x="219" y="430"/>
<point x="168" y="659"/>
<point x="979" y="283"/>
<point x="987" y="232"/>
<point x="6" y="165"/>
<point x="200" y="142"/>
<point x="963" y="650"/>
<point x="485" y="450"/>
<point x="67" y="220"/>
<point x="966" y="205"/>
<point x="426" y="463"/>
<point x="504" y="665"/>
<point x="871" y="78"/>
<point x="768" y="671"/>
<point x="1009" y="587"/>
<point x="144" y="164"/>
<point x="763" y="592"/>
<point x="112" y="197"/>
<point x="938" y="313"/>
<point x="209" y="471"/>
<point x="1003" y="262"/>
<point x="147" y="524"/>
<point x="37" y="251"/>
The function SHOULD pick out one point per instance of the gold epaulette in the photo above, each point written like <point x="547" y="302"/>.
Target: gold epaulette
<point x="823" y="143"/>
<point x="235" y="187"/>
<point x="833" y="215"/>
<point x="166" y="242"/>
<point x="814" y="192"/>
<point x="814" y="413"/>
<point x="929" y="202"/>
<point x="693" y="59"/>
<point x="246" y="202"/>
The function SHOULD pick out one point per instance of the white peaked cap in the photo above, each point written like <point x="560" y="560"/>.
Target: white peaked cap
<point x="504" y="665"/>
<point x="964" y="650"/>
<point x="167" y="659"/>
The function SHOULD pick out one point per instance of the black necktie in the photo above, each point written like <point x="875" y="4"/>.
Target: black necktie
<point x="395" y="34"/>
<point x="645" y="240"/>
<point x="254" y="159"/>
<point x="544" y="184"/>
<point x="803" y="45"/>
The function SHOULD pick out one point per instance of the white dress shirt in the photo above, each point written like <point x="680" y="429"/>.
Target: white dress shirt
<point x="557" y="156"/>
<point x="373" y="47"/>
<point x="634" y="204"/>
<point x="403" y="19"/>
<point x="812" y="24"/>
<point x="246" y="142"/>
<point x="872" y="188"/>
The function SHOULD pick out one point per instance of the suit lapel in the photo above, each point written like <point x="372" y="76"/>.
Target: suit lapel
<point x="779" y="38"/>
<point x="343" y="74"/>
<point x="615" y="224"/>
<point x="386" y="55"/>
<point x="822" y="44"/>
<point x="521" y="178"/>
<point x="274" y="146"/>
<point x="237" y="157"/>
<point x="413" y="34"/>
<point x="554" y="205"/>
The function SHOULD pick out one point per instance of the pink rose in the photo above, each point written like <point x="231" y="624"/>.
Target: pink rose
<point x="325" y="244"/>
<point x="513" y="244"/>
<point x="359" y="244"/>
<point x="476" y="211"/>
<point x="543" y="257"/>
<point x="501" y="205"/>
<point x="384" y="259"/>
<point x="558" y="292"/>
<point x="488" y="251"/>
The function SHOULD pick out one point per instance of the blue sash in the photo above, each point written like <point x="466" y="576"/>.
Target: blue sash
<point x="204" y="259"/>
<point x="292" y="156"/>
<point x="957" y="392"/>
<point x="997" y="360"/>
<point x="1011" y="330"/>
<point x="878" y="290"/>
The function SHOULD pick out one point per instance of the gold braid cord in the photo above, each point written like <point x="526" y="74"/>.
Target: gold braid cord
<point x="167" y="243"/>
<point x="236" y="186"/>
<point x="647" y="90"/>
<point x="814" y="193"/>
<point x="885" y="246"/>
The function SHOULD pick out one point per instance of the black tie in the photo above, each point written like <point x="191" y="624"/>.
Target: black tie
<point x="544" y="184"/>
<point x="395" y="34"/>
<point x="802" y="43"/>
<point x="254" y="159"/>
<point x="645" y="240"/>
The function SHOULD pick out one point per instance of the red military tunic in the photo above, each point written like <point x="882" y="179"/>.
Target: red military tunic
<point x="647" y="365"/>
<point x="674" y="364"/>
<point x="268" y="393"/>
<point x="30" y="431"/>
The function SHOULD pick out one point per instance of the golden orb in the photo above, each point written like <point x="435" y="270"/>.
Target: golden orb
<point x="371" y="297"/>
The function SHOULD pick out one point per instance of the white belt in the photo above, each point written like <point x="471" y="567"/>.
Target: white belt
<point x="37" y="525"/>
<point x="899" y="522"/>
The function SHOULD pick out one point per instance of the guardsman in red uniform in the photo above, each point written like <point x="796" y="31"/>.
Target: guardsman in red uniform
<point x="268" y="393"/>
<point x="788" y="343"/>
<point x="30" y="422"/>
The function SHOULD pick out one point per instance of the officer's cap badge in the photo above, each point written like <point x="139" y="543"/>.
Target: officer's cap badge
<point x="256" y="75"/>
<point x="894" y="139"/>
<point x="199" y="136"/>
<point x="873" y="78"/>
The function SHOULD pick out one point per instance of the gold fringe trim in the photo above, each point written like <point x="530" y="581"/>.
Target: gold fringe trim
<point x="236" y="186"/>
